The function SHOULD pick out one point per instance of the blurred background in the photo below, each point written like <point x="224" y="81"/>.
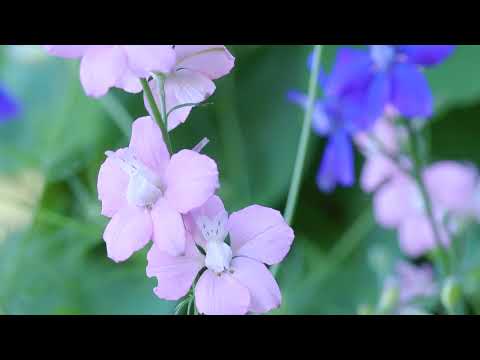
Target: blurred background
<point x="52" y="256"/>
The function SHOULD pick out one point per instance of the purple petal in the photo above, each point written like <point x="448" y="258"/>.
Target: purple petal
<point x="260" y="233"/>
<point x="112" y="186"/>
<point x="320" y="121"/>
<point x="221" y="295"/>
<point x="9" y="107"/>
<point x="264" y="292"/>
<point x="191" y="179"/>
<point x="337" y="164"/>
<point x="128" y="231"/>
<point x="175" y="274"/>
<point x="427" y="55"/>
<point x="410" y="91"/>
<point x="351" y="71"/>
<point x="168" y="228"/>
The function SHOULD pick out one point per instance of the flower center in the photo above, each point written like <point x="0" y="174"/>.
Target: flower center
<point x="218" y="254"/>
<point x="382" y="55"/>
<point x="144" y="186"/>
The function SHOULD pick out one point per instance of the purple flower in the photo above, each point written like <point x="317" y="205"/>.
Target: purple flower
<point x="394" y="74"/>
<point x="339" y="116"/>
<point x="414" y="281"/>
<point x="9" y="107"/>
<point x="233" y="277"/>
<point x="145" y="192"/>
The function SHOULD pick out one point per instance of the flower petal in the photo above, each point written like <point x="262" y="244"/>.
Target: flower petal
<point x="337" y="164"/>
<point x="128" y="231"/>
<point x="9" y="107"/>
<point x="376" y="171"/>
<point x="145" y="59"/>
<point x="410" y="91"/>
<point x="214" y="61"/>
<point x="260" y="233"/>
<point x="100" y="69"/>
<point x="168" y="228"/>
<point x="185" y="87"/>
<point x="321" y="123"/>
<point x="427" y="55"/>
<point x="416" y="236"/>
<point x="175" y="274"/>
<point x="67" y="51"/>
<point x="112" y="186"/>
<point x="351" y="71"/>
<point x="221" y="295"/>
<point x="264" y="292"/>
<point x="148" y="145"/>
<point x="452" y="185"/>
<point x="212" y="209"/>
<point x="129" y="82"/>
<point x="191" y="179"/>
<point x="392" y="203"/>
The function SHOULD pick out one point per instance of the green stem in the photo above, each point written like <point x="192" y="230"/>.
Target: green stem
<point x="156" y="112"/>
<point x="304" y="137"/>
<point x="417" y="173"/>
<point x="303" y="144"/>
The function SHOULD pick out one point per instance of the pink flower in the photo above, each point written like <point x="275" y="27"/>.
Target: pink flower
<point x="145" y="192"/>
<point x="106" y="66"/>
<point x="189" y="81"/>
<point x="414" y="281"/>
<point x="235" y="280"/>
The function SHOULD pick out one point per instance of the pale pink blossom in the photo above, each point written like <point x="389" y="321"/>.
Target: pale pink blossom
<point x="145" y="192"/>
<point x="190" y="80"/>
<point x="105" y="66"/>
<point x="235" y="279"/>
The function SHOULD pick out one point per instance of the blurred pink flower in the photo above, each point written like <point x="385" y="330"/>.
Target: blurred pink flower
<point x="145" y="192"/>
<point x="189" y="81"/>
<point x="105" y="66"/>
<point x="235" y="280"/>
<point x="414" y="281"/>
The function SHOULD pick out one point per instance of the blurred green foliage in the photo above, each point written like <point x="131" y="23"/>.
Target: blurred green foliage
<point x="57" y="264"/>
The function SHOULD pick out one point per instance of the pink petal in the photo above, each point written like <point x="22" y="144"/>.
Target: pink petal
<point x="100" y="69"/>
<point x="175" y="274"/>
<point x="168" y="229"/>
<point x="191" y="179"/>
<point x="112" y="186"/>
<point x="210" y="209"/>
<point x="376" y="170"/>
<point x="67" y="51"/>
<point x="213" y="61"/>
<point x="148" y="145"/>
<point x="264" y="292"/>
<point x="394" y="201"/>
<point x="185" y="87"/>
<point x="416" y="236"/>
<point x="221" y="295"/>
<point x="260" y="233"/>
<point x="452" y="184"/>
<point x="129" y="82"/>
<point x="145" y="59"/>
<point x="129" y="230"/>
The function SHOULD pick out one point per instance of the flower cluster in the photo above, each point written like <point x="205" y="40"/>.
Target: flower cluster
<point x="150" y="193"/>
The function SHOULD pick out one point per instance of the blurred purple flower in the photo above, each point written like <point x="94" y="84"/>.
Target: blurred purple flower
<point x="414" y="281"/>
<point x="9" y="107"/>
<point x="341" y="114"/>
<point x="393" y="74"/>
